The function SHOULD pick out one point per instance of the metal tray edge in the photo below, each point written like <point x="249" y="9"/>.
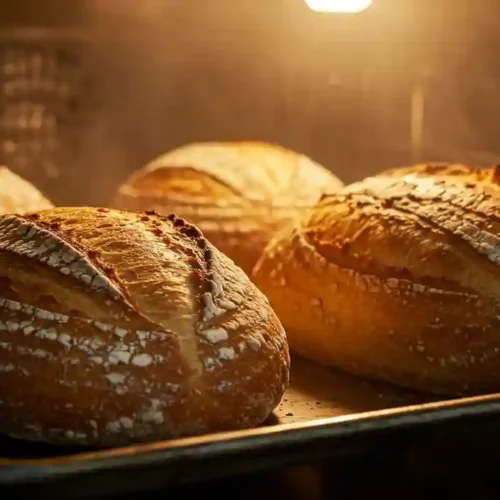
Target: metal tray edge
<point x="292" y="436"/>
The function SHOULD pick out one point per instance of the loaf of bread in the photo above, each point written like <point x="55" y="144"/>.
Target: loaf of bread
<point x="18" y="195"/>
<point x="238" y="194"/>
<point x="118" y="327"/>
<point x="397" y="278"/>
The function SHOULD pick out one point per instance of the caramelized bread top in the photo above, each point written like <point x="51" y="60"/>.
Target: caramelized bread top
<point x="123" y="316"/>
<point x="436" y="224"/>
<point x="233" y="173"/>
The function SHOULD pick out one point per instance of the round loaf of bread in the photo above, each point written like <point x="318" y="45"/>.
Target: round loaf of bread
<point x="397" y="278"/>
<point x="238" y="193"/>
<point x="118" y="327"/>
<point x="18" y="195"/>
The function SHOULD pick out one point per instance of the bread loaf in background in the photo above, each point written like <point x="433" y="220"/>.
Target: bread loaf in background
<point x="238" y="193"/>
<point x="397" y="278"/>
<point x="18" y="195"/>
<point x="118" y="327"/>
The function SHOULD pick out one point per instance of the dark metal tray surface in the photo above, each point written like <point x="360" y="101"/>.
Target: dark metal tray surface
<point x="324" y="414"/>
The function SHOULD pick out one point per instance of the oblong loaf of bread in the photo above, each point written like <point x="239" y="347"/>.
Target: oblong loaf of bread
<point x="238" y="193"/>
<point x="397" y="278"/>
<point x="18" y="195"/>
<point x="118" y="327"/>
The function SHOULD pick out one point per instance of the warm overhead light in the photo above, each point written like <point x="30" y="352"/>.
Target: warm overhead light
<point x="348" y="6"/>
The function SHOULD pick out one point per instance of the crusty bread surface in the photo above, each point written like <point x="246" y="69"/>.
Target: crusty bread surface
<point x="118" y="327"/>
<point x="238" y="193"/>
<point x="18" y="195"/>
<point x="397" y="278"/>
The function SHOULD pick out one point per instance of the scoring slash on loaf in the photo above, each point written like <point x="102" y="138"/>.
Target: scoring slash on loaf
<point x="118" y="327"/>
<point x="397" y="278"/>
<point x="18" y="195"/>
<point x="238" y="193"/>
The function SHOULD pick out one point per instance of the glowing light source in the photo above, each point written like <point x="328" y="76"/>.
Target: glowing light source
<point x="346" y="6"/>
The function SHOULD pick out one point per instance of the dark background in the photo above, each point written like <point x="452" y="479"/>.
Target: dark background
<point x="159" y="73"/>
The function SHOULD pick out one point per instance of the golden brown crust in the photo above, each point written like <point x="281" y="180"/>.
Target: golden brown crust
<point x="397" y="277"/>
<point x="119" y="327"/>
<point x="18" y="195"/>
<point x="449" y="171"/>
<point x="237" y="193"/>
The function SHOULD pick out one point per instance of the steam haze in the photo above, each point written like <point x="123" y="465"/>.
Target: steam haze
<point x="167" y="72"/>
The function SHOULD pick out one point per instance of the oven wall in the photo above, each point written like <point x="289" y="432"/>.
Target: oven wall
<point x="337" y="88"/>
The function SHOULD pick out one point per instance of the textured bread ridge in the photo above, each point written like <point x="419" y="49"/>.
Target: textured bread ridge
<point x="396" y="277"/>
<point x="118" y="327"/>
<point x="488" y="177"/>
<point x="18" y="195"/>
<point x="244" y="172"/>
<point x="238" y="193"/>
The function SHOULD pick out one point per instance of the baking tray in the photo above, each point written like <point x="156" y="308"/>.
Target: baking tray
<point x="324" y="414"/>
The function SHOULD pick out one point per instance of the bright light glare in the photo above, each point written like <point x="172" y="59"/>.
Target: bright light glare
<point x="347" y="6"/>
